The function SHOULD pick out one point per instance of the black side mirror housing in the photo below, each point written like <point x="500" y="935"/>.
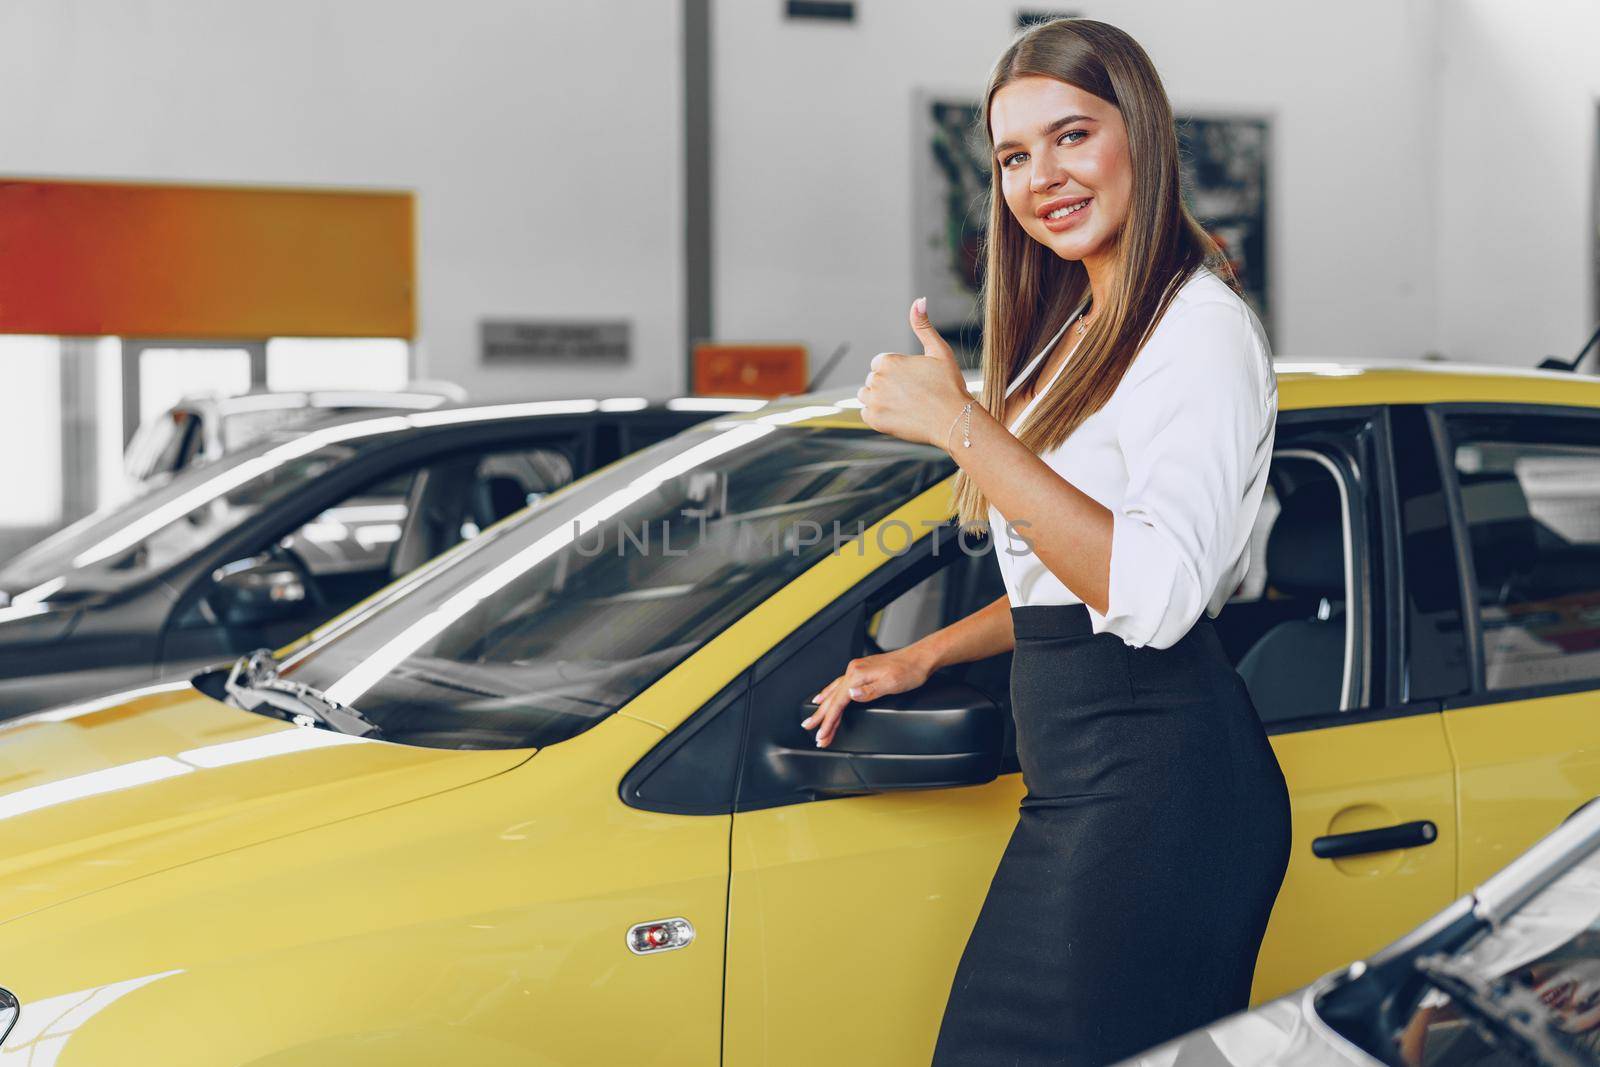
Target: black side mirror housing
<point x="257" y="591"/>
<point x="945" y="733"/>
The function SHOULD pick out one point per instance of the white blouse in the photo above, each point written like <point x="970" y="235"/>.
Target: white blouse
<point x="1179" y="456"/>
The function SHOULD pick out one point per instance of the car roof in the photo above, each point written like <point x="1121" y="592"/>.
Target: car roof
<point x="1316" y="383"/>
<point x="373" y="424"/>
<point x="1301" y="384"/>
<point x="267" y="400"/>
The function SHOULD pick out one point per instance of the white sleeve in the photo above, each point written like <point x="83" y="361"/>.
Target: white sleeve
<point x="1193" y="415"/>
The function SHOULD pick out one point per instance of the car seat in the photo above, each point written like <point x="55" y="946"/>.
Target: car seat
<point x="495" y="497"/>
<point x="1297" y="667"/>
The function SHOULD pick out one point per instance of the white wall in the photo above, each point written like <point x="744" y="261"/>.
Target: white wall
<point x="814" y="149"/>
<point x="543" y="141"/>
<point x="1518" y="89"/>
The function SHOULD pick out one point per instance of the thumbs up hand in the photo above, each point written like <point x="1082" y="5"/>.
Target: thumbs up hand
<point x="915" y="397"/>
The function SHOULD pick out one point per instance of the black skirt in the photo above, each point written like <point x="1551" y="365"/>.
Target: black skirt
<point x="1131" y="900"/>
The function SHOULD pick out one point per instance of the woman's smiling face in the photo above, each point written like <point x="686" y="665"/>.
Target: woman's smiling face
<point x="1059" y="147"/>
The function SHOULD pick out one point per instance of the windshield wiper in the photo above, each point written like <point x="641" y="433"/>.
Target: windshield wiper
<point x="1511" y="1017"/>
<point x="254" y="681"/>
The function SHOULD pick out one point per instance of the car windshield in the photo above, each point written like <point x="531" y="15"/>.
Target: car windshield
<point x="112" y="550"/>
<point x="1541" y="965"/>
<point x="553" y="620"/>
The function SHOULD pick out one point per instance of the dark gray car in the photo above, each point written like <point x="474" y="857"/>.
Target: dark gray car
<point x="265" y="543"/>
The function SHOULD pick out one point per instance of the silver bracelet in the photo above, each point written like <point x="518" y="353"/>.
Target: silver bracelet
<point x="966" y="434"/>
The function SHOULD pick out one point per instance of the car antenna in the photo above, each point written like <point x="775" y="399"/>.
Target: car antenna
<point x="1552" y="363"/>
<point x="827" y="367"/>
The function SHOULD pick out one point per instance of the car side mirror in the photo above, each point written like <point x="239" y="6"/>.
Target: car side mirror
<point x="257" y="591"/>
<point x="944" y="733"/>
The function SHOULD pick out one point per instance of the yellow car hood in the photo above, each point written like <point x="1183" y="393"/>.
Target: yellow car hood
<point x="99" y="794"/>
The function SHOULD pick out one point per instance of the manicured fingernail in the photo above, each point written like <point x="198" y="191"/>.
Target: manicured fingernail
<point x="855" y="693"/>
<point x="806" y="723"/>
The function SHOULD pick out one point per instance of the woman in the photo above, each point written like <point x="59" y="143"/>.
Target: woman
<point x="1120" y="474"/>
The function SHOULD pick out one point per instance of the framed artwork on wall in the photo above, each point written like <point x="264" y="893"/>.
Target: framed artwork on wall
<point x="1224" y="161"/>
<point x="949" y="196"/>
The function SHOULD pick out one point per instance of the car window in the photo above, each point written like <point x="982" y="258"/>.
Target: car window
<point x="1290" y="626"/>
<point x="544" y="625"/>
<point x="112" y="550"/>
<point x="1530" y="496"/>
<point x="912" y="615"/>
<point x="358" y="545"/>
<point x="966" y="580"/>
<point x="458" y="497"/>
<point x="637" y="435"/>
<point x="356" y="535"/>
<point x="507" y="482"/>
<point x="163" y="445"/>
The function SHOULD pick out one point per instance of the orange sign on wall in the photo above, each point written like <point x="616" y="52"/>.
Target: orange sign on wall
<point x="202" y="262"/>
<point x="749" y="369"/>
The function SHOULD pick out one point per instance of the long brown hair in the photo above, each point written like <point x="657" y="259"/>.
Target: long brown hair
<point x="1028" y="290"/>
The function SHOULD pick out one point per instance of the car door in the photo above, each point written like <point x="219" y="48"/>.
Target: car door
<point x="1313" y="630"/>
<point x="296" y="572"/>
<point x="847" y="915"/>
<point x="1524" y="486"/>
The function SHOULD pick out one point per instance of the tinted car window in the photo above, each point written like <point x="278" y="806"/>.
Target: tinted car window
<point x="352" y="549"/>
<point x="1530" y="495"/>
<point x="112" y="550"/>
<point x="1290" y="621"/>
<point x="163" y="444"/>
<point x="461" y="495"/>
<point x="967" y="580"/>
<point x="550" y="621"/>
<point x="1301" y="627"/>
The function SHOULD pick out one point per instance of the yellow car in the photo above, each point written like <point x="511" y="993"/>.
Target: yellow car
<point x="548" y="799"/>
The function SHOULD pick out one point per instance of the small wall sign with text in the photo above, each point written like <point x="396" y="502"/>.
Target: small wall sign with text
<point x="821" y="10"/>
<point x="509" y="340"/>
